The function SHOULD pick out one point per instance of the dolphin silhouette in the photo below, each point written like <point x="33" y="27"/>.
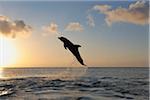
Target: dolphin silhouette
<point x="73" y="48"/>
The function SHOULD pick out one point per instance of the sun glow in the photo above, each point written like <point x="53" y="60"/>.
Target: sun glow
<point x="8" y="52"/>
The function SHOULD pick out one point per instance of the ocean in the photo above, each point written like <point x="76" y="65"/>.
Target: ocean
<point x="82" y="83"/>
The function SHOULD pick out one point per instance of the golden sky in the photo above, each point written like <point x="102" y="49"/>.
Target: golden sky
<point x="112" y="34"/>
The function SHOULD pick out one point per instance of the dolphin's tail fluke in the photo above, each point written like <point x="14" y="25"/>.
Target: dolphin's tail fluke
<point x="84" y="64"/>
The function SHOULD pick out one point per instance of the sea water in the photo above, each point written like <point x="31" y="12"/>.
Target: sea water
<point x="82" y="83"/>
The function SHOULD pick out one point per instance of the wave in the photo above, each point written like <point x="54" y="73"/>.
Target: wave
<point x="85" y="88"/>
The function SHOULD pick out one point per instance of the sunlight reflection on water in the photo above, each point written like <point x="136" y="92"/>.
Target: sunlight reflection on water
<point x="1" y="72"/>
<point x="51" y="73"/>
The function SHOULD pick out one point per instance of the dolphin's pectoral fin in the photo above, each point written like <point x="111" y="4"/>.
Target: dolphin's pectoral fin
<point x="77" y="45"/>
<point x="65" y="46"/>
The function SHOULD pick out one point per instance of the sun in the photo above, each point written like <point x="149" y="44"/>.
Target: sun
<point x="8" y="52"/>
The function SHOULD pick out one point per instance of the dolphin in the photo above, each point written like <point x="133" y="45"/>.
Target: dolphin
<point x="73" y="48"/>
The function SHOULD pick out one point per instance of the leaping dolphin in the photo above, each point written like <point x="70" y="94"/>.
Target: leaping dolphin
<point x="73" y="48"/>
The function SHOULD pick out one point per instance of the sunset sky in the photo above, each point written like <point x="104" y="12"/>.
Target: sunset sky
<point x="111" y="33"/>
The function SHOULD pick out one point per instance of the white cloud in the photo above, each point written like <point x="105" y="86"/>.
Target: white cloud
<point x="102" y="8"/>
<point x="74" y="26"/>
<point x="138" y="4"/>
<point x="90" y="21"/>
<point x="52" y="28"/>
<point x="13" y="28"/>
<point x="136" y="13"/>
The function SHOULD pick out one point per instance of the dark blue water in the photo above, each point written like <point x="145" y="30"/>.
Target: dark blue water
<point x="74" y="83"/>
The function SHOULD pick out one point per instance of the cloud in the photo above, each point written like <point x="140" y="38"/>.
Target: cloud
<point x="136" y="13"/>
<point x="138" y="4"/>
<point x="90" y="21"/>
<point x="102" y="8"/>
<point x="13" y="28"/>
<point x="52" y="28"/>
<point x="74" y="26"/>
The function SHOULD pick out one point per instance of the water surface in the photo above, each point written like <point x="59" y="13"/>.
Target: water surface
<point x="74" y="83"/>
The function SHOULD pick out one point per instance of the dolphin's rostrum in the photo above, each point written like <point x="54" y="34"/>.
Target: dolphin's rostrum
<point x="73" y="48"/>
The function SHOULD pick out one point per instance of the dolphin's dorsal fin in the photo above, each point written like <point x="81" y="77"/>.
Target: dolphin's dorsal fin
<point x="77" y="45"/>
